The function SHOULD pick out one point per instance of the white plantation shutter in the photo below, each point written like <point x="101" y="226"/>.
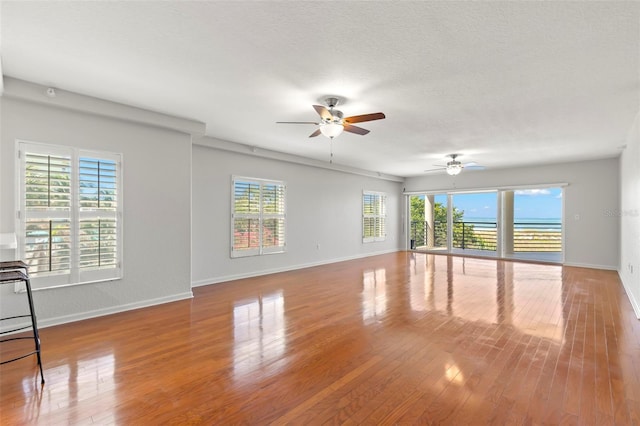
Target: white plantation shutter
<point x="258" y="217"/>
<point x="70" y="214"/>
<point x="46" y="183"/>
<point x="98" y="243"/>
<point x="47" y="246"/>
<point x="98" y="212"/>
<point x="273" y="217"/>
<point x="374" y="216"/>
<point x="97" y="179"/>
<point x="246" y="218"/>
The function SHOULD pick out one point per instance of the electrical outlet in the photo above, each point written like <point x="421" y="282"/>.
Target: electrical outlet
<point x="576" y="216"/>
<point x="317" y="246"/>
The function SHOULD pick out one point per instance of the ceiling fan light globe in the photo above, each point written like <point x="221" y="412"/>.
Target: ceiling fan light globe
<point x="454" y="169"/>
<point x="331" y="129"/>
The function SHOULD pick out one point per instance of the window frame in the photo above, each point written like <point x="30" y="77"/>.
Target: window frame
<point x="260" y="216"/>
<point x="379" y="217"/>
<point x="75" y="214"/>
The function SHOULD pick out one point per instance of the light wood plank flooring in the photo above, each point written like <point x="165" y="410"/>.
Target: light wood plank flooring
<point x="403" y="338"/>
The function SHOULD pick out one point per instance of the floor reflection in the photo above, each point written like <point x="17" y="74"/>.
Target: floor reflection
<point x="70" y="384"/>
<point x="495" y="292"/>
<point x="374" y="294"/>
<point x="535" y="287"/>
<point x="422" y="286"/>
<point x="453" y="373"/>
<point x="259" y="334"/>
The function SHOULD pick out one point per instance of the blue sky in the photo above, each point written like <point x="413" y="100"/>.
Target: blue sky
<point x="531" y="204"/>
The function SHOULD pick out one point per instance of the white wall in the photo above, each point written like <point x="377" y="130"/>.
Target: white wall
<point x="630" y="217"/>
<point x="592" y="193"/>
<point x="323" y="207"/>
<point x="173" y="239"/>
<point x="156" y="182"/>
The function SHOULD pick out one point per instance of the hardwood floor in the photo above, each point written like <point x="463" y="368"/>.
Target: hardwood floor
<point x="393" y="339"/>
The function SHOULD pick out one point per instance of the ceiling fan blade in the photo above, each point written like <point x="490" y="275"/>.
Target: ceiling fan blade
<point x="440" y="169"/>
<point x="355" y="129"/>
<point x="324" y="112"/>
<point x="296" y="122"/>
<point x="475" y="167"/>
<point x="364" y="117"/>
<point x="314" y="134"/>
<point x="472" y="165"/>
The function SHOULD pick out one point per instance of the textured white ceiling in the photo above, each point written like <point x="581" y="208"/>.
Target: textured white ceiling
<point x="504" y="83"/>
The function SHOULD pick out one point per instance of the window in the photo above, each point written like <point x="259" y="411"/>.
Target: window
<point x="257" y="216"/>
<point x="373" y="217"/>
<point x="70" y="214"/>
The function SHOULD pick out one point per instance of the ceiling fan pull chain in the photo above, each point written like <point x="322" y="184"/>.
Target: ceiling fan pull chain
<point x="331" y="150"/>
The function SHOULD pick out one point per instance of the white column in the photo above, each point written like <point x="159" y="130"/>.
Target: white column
<point x="429" y="205"/>
<point x="507" y="223"/>
<point x="449" y="222"/>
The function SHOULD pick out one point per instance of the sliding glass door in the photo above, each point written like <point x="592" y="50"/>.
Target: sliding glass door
<point x="475" y="223"/>
<point x="533" y="224"/>
<point x="428" y="225"/>
<point x="520" y="224"/>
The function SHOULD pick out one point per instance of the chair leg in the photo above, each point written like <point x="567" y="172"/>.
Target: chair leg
<point x="34" y="323"/>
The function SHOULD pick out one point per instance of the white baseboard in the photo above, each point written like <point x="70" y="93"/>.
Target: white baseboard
<point x="225" y="278"/>
<point x="635" y="304"/>
<point x="591" y="266"/>
<point x="102" y="312"/>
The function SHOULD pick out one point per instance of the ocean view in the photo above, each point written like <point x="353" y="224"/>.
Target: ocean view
<point x="520" y="224"/>
<point x="517" y="220"/>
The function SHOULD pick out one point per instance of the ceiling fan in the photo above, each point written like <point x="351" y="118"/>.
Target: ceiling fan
<point x="332" y="121"/>
<point x="454" y="167"/>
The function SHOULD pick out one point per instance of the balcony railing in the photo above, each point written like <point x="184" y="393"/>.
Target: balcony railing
<point x="475" y="235"/>
<point x="527" y="236"/>
<point x="537" y="237"/>
<point x="422" y="236"/>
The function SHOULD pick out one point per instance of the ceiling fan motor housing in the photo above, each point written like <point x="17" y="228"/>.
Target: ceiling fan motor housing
<point x="337" y="116"/>
<point x="332" y="102"/>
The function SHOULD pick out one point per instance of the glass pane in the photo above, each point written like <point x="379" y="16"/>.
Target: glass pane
<point x="428" y="222"/>
<point x="475" y="221"/>
<point x="246" y="233"/>
<point x="273" y="199"/>
<point x="98" y="243"/>
<point x="246" y="197"/>
<point x="382" y="226"/>
<point x="536" y="231"/>
<point x="378" y="227"/>
<point x="368" y="202"/>
<point x="417" y="222"/>
<point x="47" y="181"/>
<point x="273" y="232"/>
<point x="369" y="226"/>
<point x="97" y="184"/>
<point x="440" y="207"/>
<point x="47" y="246"/>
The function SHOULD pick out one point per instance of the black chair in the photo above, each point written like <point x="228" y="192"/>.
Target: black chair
<point x="11" y="272"/>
